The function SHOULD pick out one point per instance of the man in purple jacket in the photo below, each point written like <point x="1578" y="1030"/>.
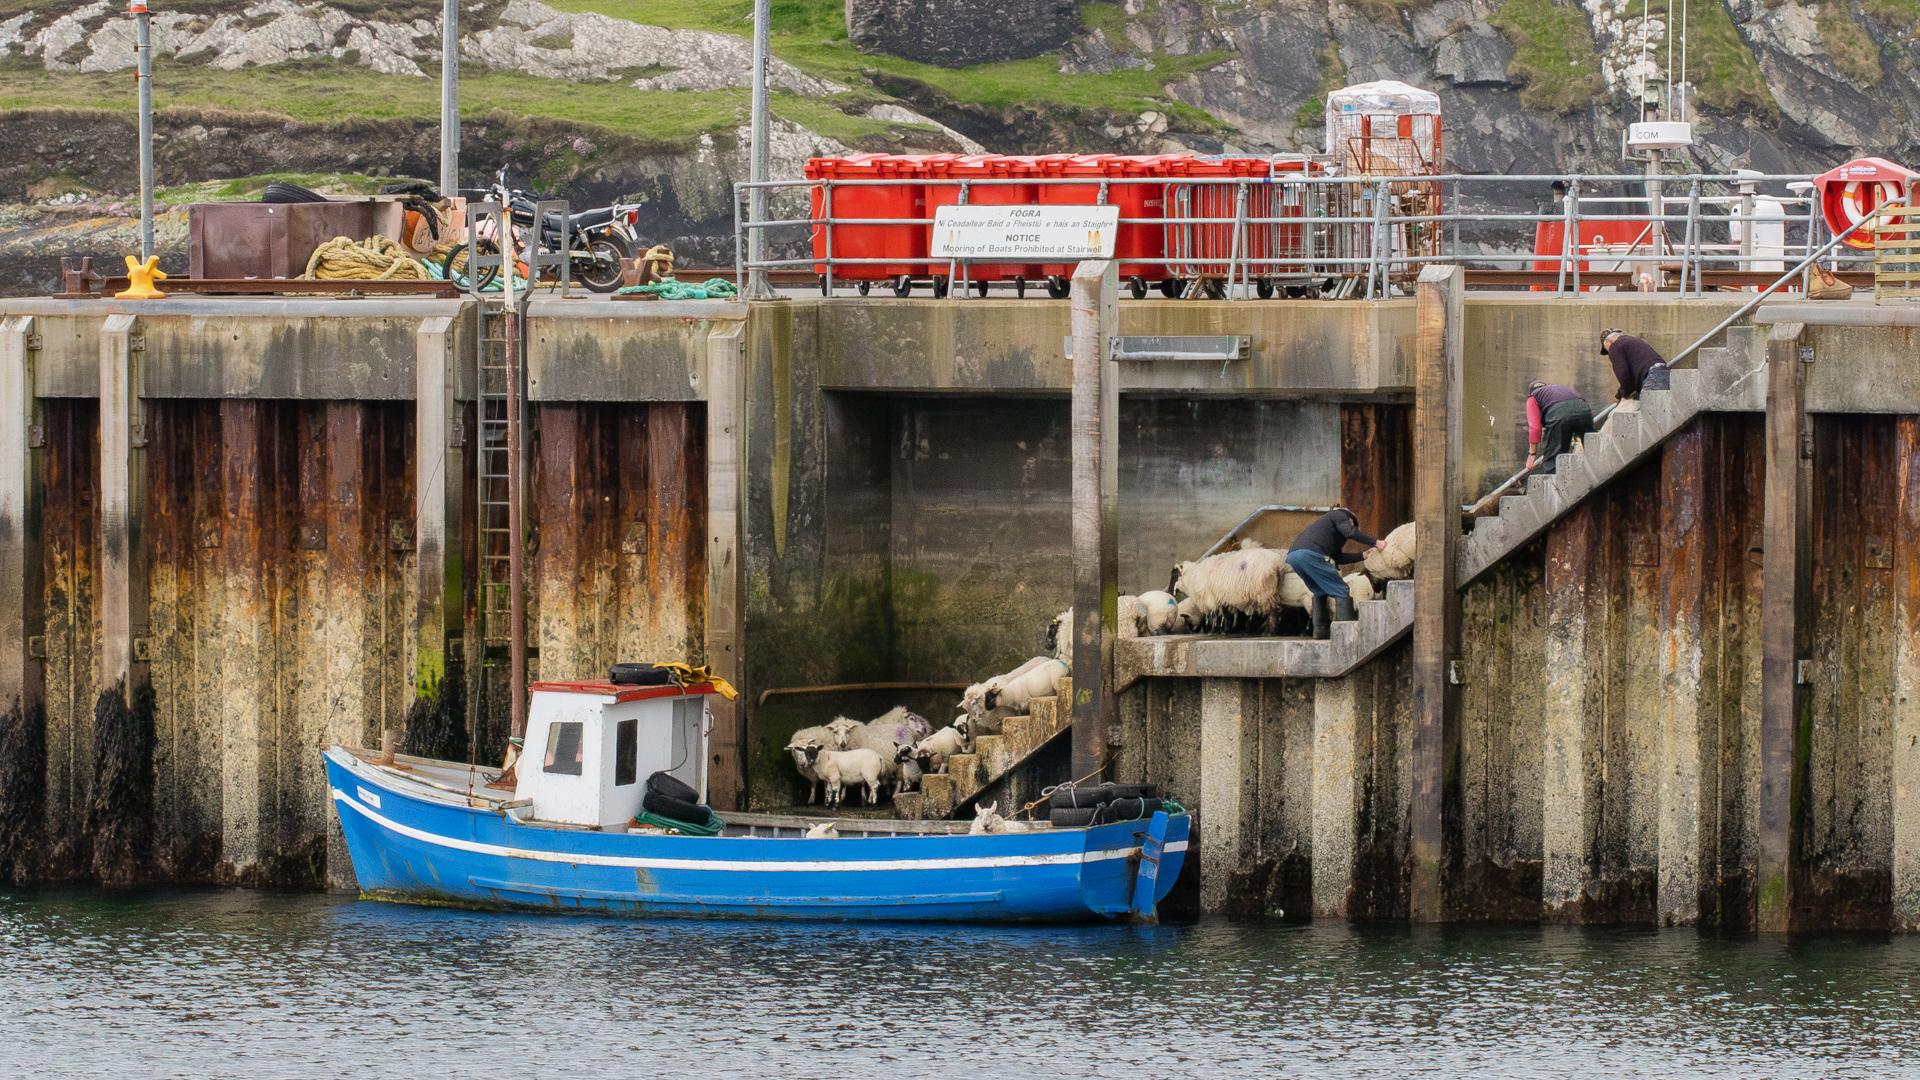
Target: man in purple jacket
<point x="1632" y="360"/>
<point x="1556" y="415"/>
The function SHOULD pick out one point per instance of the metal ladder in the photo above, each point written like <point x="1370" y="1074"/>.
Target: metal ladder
<point x="494" y="536"/>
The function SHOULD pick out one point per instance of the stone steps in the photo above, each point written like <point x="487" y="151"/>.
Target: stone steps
<point x="1381" y="622"/>
<point x="1726" y="379"/>
<point x="993" y="757"/>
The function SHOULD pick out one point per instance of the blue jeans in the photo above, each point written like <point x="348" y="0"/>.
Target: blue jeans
<point x="1319" y="572"/>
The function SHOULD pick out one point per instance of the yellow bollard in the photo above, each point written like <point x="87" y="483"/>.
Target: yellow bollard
<point x="140" y="279"/>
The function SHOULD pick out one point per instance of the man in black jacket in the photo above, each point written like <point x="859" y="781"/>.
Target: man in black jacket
<point x="1632" y="360"/>
<point x="1316" y="555"/>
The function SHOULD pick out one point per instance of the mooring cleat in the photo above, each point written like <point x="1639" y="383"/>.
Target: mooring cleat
<point x="140" y="279"/>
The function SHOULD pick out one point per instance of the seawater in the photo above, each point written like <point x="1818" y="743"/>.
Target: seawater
<point x="241" y="984"/>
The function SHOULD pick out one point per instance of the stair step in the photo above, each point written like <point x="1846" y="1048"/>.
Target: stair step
<point x="936" y="795"/>
<point x="1041" y="713"/>
<point x="909" y="805"/>
<point x="963" y="770"/>
<point x="992" y="752"/>
<point x="1017" y="733"/>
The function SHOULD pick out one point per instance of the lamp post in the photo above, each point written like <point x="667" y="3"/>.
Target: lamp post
<point x="143" y="56"/>
<point x="450" y="99"/>
<point x="761" y="157"/>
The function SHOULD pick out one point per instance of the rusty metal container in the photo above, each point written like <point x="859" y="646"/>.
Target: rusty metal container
<point x="233" y="241"/>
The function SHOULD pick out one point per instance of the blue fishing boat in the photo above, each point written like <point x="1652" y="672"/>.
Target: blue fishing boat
<point x="563" y="838"/>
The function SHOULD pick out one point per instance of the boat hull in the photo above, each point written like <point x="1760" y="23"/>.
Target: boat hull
<point x="418" y="846"/>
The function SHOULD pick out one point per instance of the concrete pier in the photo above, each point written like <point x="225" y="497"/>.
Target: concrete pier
<point x="234" y="529"/>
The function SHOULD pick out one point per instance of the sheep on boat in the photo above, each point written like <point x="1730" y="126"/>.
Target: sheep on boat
<point x="599" y="757"/>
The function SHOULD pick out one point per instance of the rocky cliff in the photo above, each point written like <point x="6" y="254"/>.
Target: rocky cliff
<point x="598" y="98"/>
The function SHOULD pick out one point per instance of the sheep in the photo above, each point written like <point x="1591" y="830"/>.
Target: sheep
<point x="1395" y="559"/>
<point x="910" y="771"/>
<point x="884" y="740"/>
<point x="987" y="819"/>
<point x="823" y="831"/>
<point x="1014" y="690"/>
<point x="797" y="745"/>
<point x="1361" y="586"/>
<point x="840" y="768"/>
<point x="1234" y="587"/>
<point x="1157" y="613"/>
<point x="1059" y="644"/>
<point x="904" y="726"/>
<point x="971" y="700"/>
<point x="933" y="751"/>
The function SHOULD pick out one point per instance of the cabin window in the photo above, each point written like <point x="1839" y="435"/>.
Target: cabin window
<point x="626" y="752"/>
<point x="563" y="748"/>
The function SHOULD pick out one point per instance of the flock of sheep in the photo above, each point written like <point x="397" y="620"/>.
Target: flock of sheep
<point x="1238" y="591"/>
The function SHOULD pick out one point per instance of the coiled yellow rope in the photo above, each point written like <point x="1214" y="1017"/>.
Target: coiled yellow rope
<point x="374" y="259"/>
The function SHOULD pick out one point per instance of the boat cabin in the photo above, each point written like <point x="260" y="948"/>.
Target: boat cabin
<point x="590" y="747"/>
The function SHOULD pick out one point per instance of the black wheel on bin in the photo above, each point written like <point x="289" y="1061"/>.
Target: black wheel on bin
<point x="456" y="264"/>
<point x="1137" y="285"/>
<point x="1020" y="286"/>
<point x="1263" y="288"/>
<point x="980" y="287"/>
<point x="939" y="286"/>
<point x="1170" y="288"/>
<point x="1058" y="287"/>
<point x="863" y="286"/>
<point x="823" y="284"/>
<point x="903" y="285"/>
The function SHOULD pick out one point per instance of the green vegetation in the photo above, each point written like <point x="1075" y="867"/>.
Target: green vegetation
<point x="248" y="188"/>
<point x="1554" y="54"/>
<point x="812" y="36"/>
<point x="1107" y="16"/>
<point x="1847" y="45"/>
<point x="1719" y="63"/>
<point x="1894" y="14"/>
<point x="328" y="90"/>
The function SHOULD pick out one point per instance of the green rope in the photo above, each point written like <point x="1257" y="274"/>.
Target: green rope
<point x="1172" y="808"/>
<point x="710" y="289"/>
<point x="711" y="828"/>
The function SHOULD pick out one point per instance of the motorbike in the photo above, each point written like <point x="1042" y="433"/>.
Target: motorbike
<point x="596" y="241"/>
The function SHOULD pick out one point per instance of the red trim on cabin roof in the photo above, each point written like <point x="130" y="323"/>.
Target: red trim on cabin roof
<point x="621" y="692"/>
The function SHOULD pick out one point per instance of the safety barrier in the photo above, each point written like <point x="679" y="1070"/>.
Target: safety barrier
<point x="1247" y="227"/>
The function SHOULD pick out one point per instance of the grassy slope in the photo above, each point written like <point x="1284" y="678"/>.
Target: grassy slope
<point x="807" y="33"/>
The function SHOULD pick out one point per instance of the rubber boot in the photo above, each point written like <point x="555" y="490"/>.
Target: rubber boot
<point x="1343" y="609"/>
<point x="1322" y="626"/>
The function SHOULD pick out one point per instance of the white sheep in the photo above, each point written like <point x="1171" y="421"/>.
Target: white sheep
<point x="933" y="751"/>
<point x="841" y="768"/>
<point x="904" y="726"/>
<point x="910" y="772"/>
<point x="1060" y="637"/>
<point x="1234" y="587"/>
<point x="1361" y="586"/>
<point x="1015" y="689"/>
<point x="1158" y="613"/>
<point x="823" y="831"/>
<point x="884" y="740"/>
<point x="987" y="819"/>
<point x="1395" y="559"/>
<point x="972" y="700"/>
<point x="797" y="745"/>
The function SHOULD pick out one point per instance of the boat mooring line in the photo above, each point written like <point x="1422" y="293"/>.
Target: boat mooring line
<point x="809" y="866"/>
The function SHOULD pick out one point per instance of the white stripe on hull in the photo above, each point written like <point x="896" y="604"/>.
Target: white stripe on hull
<point x="808" y="866"/>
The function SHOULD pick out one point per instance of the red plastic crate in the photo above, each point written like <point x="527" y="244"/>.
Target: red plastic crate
<point x="906" y="201"/>
<point x="1134" y="200"/>
<point x="981" y="167"/>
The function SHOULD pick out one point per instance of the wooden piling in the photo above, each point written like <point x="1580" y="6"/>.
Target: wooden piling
<point x="1096" y="496"/>
<point x="1782" y="626"/>
<point x="120" y="415"/>
<point x="1906" y="679"/>
<point x="1439" y="306"/>
<point x="435" y="620"/>
<point x="20" y="683"/>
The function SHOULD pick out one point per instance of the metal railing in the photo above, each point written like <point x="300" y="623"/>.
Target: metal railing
<point x="1355" y="236"/>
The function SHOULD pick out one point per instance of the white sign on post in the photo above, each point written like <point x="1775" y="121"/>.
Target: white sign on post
<point x="1025" y="233"/>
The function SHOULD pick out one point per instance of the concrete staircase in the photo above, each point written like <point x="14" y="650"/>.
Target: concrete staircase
<point x="993" y="757"/>
<point x="1729" y="379"/>
<point x="1381" y="623"/>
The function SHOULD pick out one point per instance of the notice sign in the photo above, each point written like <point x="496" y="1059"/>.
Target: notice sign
<point x="1025" y="233"/>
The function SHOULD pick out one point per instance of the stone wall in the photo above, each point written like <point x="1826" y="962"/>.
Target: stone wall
<point x="956" y="33"/>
